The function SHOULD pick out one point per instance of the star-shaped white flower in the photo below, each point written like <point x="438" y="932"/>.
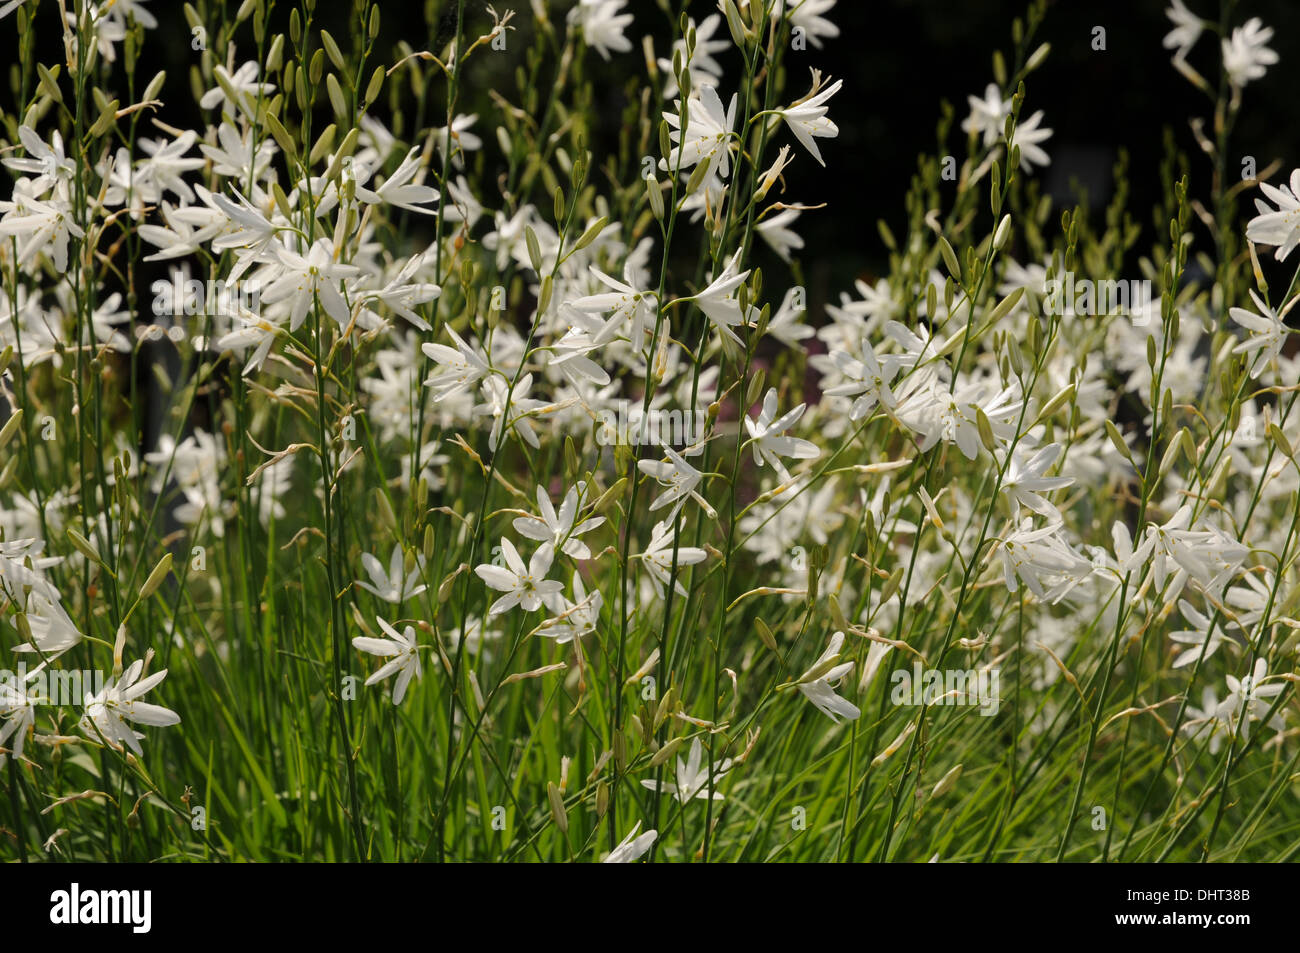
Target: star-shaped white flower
<point x="807" y="118"/>
<point x="394" y="585"/>
<point x="525" y="586"/>
<point x="109" y="710"/>
<point x="558" y="529"/>
<point x="1280" y="226"/>
<point x="692" y="777"/>
<point x="403" y="654"/>
<point x="768" y="439"/>
<point x="819" y="682"/>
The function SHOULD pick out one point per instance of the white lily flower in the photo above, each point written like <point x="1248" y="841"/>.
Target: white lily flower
<point x="109" y="710"/>
<point x="404" y="654"/>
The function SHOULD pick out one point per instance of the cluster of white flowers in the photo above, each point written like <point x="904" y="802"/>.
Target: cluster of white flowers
<point x="439" y="340"/>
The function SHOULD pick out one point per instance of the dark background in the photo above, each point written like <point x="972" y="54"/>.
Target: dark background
<point x="899" y="60"/>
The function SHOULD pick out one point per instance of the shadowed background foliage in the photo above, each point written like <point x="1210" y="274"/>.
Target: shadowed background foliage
<point x="901" y="61"/>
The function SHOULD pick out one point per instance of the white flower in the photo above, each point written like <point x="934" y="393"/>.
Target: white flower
<point x="394" y="585"/>
<point x="569" y="353"/>
<point x="1171" y="543"/>
<point x="1198" y="719"/>
<point x="48" y="162"/>
<point x="1268" y="332"/>
<point x="658" y="556"/>
<point x="807" y="15"/>
<point x="777" y="233"/>
<point x="1249" y="697"/>
<point x="1187" y="29"/>
<point x="17" y="714"/>
<point x="578" y="618"/>
<point x="558" y="529"/>
<point x="865" y="381"/>
<point x="109" y="710"/>
<point x="180" y="238"/>
<point x="397" y="189"/>
<point x="132" y="10"/>
<point x="951" y="416"/>
<point x="1245" y="57"/>
<point x="403" y="652"/>
<point x="525" y="586"/>
<point x="631" y="847"/>
<point x="1025" y="479"/>
<point x="1027" y="136"/>
<point x="681" y="479"/>
<point x="987" y="116"/>
<point x="235" y="155"/>
<point x="40" y="224"/>
<point x="1195" y="637"/>
<point x="818" y="683"/>
<point x="1037" y="556"/>
<point x="786" y="325"/>
<point x="704" y="69"/>
<point x="510" y="409"/>
<point x="767" y="436"/>
<point x="304" y="279"/>
<point x="244" y="82"/>
<point x="719" y="304"/>
<point x="692" y="777"/>
<point x="465" y="141"/>
<point x="708" y="134"/>
<point x="247" y="229"/>
<point x="1280" y="226"/>
<point x="458" y="368"/>
<point x="401" y="293"/>
<point x="628" y="304"/>
<point x="602" y="25"/>
<point x="807" y="118"/>
<point x="53" y="631"/>
<point x="166" y="162"/>
<point x="1252" y="600"/>
<point x="254" y="332"/>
